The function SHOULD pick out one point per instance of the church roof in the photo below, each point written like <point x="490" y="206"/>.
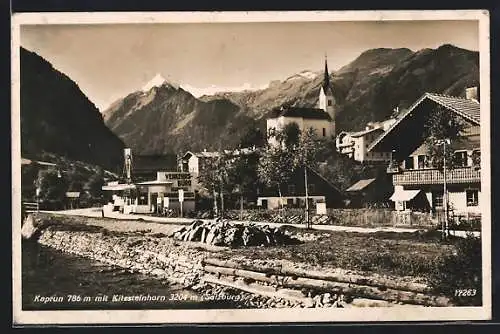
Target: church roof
<point x="302" y="112"/>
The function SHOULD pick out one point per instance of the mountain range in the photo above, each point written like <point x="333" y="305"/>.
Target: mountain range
<point x="57" y="118"/>
<point x="163" y="117"/>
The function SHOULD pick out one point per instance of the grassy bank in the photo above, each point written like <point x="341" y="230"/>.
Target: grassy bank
<point x="386" y="253"/>
<point x="414" y="257"/>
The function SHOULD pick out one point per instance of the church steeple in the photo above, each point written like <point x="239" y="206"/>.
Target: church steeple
<point x="326" y="98"/>
<point x="326" y="76"/>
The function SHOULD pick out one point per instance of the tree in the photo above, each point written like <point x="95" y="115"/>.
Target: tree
<point x="443" y="130"/>
<point x="215" y="177"/>
<point x="243" y="174"/>
<point x="274" y="167"/>
<point x="75" y="179"/>
<point x="94" y="183"/>
<point x="277" y="163"/>
<point x="52" y="185"/>
<point x="305" y="153"/>
<point x="442" y="124"/>
<point x="253" y="137"/>
<point x="291" y="134"/>
<point x="29" y="174"/>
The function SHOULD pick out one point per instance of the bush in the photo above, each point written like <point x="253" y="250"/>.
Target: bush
<point x="460" y="271"/>
<point x="464" y="223"/>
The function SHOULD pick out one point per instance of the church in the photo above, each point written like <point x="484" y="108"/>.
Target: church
<point x="321" y="119"/>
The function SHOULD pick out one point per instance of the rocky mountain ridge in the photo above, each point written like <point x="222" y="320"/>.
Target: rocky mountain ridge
<point x="169" y="119"/>
<point x="57" y="118"/>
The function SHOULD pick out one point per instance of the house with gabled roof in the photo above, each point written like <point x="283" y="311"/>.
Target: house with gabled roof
<point x="195" y="162"/>
<point x="413" y="177"/>
<point x="370" y="192"/>
<point x="354" y="144"/>
<point x="293" y="192"/>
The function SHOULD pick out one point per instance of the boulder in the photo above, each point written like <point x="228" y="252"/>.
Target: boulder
<point x="211" y="235"/>
<point x="31" y="227"/>
<point x="218" y="239"/>
<point x="195" y="234"/>
<point x="232" y="237"/>
<point x="222" y="233"/>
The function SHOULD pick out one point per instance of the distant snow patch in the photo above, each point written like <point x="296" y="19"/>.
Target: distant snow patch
<point x="159" y="81"/>
<point x="213" y="89"/>
<point x="302" y="75"/>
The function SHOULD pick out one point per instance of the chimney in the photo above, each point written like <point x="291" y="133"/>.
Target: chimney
<point x="471" y="93"/>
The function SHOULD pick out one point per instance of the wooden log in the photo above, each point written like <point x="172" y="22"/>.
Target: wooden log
<point x="258" y="289"/>
<point x="338" y="287"/>
<point x="314" y="274"/>
<point x="238" y="272"/>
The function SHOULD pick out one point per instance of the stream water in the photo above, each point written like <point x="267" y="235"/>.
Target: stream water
<point x="53" y="280"/>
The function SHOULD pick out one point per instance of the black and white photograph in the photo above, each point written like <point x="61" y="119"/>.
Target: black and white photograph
<point x="251" y="167"/>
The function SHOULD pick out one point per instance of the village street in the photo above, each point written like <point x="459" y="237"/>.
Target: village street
<point x="96" y="212"/>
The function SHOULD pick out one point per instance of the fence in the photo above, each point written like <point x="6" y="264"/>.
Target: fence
<point x="341" y="217"/>
<point x="365" y="217"/>
<point x="30" y="207"/>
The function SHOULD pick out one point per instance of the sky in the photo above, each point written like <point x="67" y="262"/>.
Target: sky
<point x="109" y="61"/>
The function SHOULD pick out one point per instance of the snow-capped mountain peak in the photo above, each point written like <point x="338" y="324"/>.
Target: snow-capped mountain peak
<point x="157" y="81"/>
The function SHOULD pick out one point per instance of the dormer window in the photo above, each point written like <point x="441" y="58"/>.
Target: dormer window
<point x="460" y="158"/>
<point x="408" y="163"/>
<point x="329" y="103"/>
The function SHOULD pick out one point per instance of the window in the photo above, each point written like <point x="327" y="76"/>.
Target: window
<point x="310" y="188"/>
<point x="143" y="199"/>
<point x="437" y="200"/>
<point x="291" y="189"/>
<point x="460" y="158"/>
<point x="329" y="103"/>
<point x="324" y="132"/>
<point x="409" y="163"/>
<point x="476" y="158"/>
<point x="289" y="202"/>
<point x="472" y="196"/>
<point x="422" y="161"/>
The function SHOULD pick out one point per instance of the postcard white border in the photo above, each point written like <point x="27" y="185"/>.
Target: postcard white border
<point x="21" y="317"/>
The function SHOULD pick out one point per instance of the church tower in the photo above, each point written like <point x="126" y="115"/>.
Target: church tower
<point x="326" y="99"/>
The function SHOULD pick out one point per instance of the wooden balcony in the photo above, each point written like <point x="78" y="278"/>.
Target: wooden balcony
<point x="435" y="176"/>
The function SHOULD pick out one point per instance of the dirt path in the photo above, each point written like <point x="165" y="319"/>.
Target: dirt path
<point x="122" y="225"/>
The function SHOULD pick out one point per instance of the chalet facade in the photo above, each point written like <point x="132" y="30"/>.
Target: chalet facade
<point x="419" y="186"/>
<point x="293" y="192"/>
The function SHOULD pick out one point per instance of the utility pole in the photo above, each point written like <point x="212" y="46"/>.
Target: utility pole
<point x="306" y="186"/>
<point x="445" y="227"/>
<point x="307" y="197"/>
